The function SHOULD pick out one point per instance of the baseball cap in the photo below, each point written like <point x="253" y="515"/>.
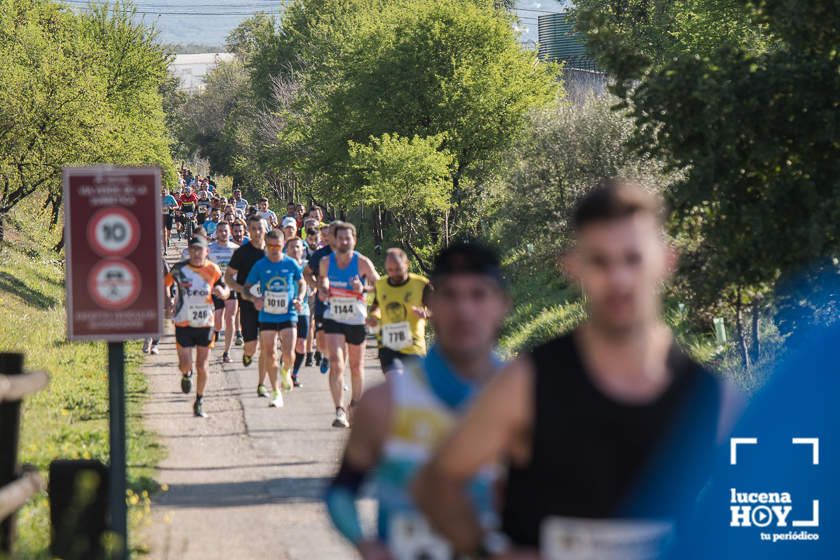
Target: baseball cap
<point x="198" y="240"/>
<point x="288" y="221"/>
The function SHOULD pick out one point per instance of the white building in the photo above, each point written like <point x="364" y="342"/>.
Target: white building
<point x="192" y="68"/>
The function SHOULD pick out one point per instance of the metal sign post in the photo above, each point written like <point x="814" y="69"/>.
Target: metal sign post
<point x="114" y="285"/>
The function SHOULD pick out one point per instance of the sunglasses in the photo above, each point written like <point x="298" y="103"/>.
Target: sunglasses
<point x="274" y="245"/>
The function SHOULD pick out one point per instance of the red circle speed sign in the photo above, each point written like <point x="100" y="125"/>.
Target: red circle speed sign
<point x="114" y="283"/>
<point x="113" y="232"/>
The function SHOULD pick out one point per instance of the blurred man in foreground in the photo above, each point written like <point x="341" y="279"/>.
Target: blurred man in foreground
<point x="584" y="418"/>
<point x="399" y="423"/>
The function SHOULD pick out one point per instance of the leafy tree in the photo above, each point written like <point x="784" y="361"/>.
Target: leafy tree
<point x="77" y="89"/>
<point x="406" y="177"/>
<point x="429" y="68"/>
<point x="752" y="118"/>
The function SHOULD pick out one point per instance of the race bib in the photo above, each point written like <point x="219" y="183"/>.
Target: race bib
<point x="410" y="538"/>
<point x="343" y="309"/>
<point x="200" y="314"/>
<point x="564" y="538"/>
<point x="397" y="336"/>
<point x="189" y="214"/>
<point x="276" y="303"/>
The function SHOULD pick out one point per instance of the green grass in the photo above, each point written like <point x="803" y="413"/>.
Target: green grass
<point x="68" y="419"/>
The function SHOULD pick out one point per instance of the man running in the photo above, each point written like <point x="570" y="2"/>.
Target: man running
<point x="310" y="273"/>
<point x="221" y="251"/>
<point x="345" y="277"/>
<point x="187" y="200"/>
<point x="268" y="215"/>
<point x="289" y="228"/>
<point x="398" y="424"/>
<point x="168" y="205"/>
<point x="584" y="416"/>
<point x="281" y="289"/>
<point x="197" y="281"/>
<point x="399" y="308"/>
<point x="238" y="201"/>
<point x="295" y="250"/>
<point x="241" y="263"/>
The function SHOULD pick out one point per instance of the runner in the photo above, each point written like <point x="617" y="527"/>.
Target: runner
<point x="344" y="279"/>
<point x="289" y="228"/>
<point x="295" y="250"/>
<point x="239" y="268"/>
<point x="582" y="416"/>
<point x="221" y="251"/>
<point x="281" y="289"/>
<point x="168" y="205"/>
<point x="399" y="423"/>
<point x="213" y="221"/>
<point x="268" y="215"/>
<point x="399" y="309"/>
<point x="300" y="213"/>
<point x="238" y="201"/>
<point x="311" y="272"/>
<point x="197" y="280"/>
<point x="187" y="201"/>
<point x="238" y="236"/>
<point x="313" y="243"/>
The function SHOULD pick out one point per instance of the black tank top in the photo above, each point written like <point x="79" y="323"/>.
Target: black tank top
<point x="593" y="457"/>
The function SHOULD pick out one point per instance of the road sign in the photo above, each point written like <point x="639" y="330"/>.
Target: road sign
<point x="114" y="268"/>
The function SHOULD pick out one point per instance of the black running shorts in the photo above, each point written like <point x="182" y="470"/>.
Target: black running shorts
<point x="353" y="334"/>
<point x="189" y="337"/>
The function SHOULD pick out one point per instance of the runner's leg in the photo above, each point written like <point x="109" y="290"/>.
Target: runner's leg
<point x="335" y="347"/>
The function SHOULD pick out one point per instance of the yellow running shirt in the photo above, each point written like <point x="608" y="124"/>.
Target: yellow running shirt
<point x="401" y="329"/>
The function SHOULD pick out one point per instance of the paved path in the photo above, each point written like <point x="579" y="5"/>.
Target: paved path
<point x="247" y="481"/>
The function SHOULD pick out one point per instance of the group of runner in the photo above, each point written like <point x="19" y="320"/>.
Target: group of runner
<point x="472" y="456"/>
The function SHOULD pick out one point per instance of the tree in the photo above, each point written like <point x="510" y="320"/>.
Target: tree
<point x="752" y="118"/>
<point x="406" y="177"/>
<point x="418" y="69"/>
<point x="77" y="89"/>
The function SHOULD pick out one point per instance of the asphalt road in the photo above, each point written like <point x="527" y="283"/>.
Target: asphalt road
<point x="247" y="481"/>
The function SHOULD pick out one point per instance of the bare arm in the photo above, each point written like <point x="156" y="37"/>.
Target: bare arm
<point x="230" y="280"/>
<point x="310" y="277"/>
<point x="368" y="271"/>
<point x="492" y="430"/>
<point x="323" y="281"/>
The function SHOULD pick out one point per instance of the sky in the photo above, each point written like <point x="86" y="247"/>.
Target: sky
<point x="207" y="22"/>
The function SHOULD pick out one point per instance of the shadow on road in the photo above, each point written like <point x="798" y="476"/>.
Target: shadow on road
<point x="246" y="493"/>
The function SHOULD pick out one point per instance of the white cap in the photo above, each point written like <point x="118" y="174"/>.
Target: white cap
<point x="288" y="221"/>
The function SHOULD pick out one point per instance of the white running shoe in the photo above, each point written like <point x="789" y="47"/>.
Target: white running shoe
<point x="340" y="419"/>
<point x="276" y="399"/>
<point x="154" y="349"/>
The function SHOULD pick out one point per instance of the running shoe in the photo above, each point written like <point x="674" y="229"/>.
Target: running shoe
<point x="308" y="362"/>
<point x="154" y="349"/>
<point x="238" y="339"/>
<point x="146" y="346"/>
<point x="276" y="399"/>
<point x="262" y="390"/>
<point x="226" y="358"/>
<point x="340" y="419"/>
<point x="286" y="380"/>
<point x="317" y="358"/>
<point x="246" y="360"/>
<point x="186" y="382"/>
<point x="296" y="381"/>
<point x="325" y="365"/>
<point x="198" y="408"/>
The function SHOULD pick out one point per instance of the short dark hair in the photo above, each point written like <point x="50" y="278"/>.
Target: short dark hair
<point x="312" y="231"/>
<point x="263" y="199"/>
<point x="614" y="199"/>
<point x="468" y="256"/>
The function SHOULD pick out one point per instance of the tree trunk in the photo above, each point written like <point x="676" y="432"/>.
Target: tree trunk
<point x="2" y="230"/>
<point x="739" y="331"/>
<point x="755" y="347"/>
